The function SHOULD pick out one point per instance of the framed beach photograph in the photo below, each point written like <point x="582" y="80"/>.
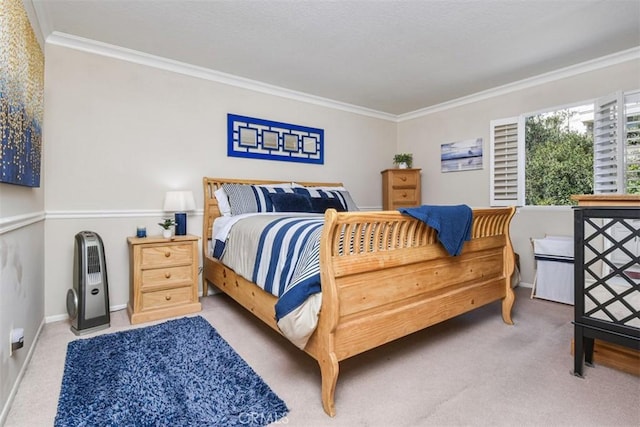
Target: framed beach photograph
<point x="461" y="155"/>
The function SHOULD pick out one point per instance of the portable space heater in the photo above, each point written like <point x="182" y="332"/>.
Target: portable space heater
<point x="88" y="301"/>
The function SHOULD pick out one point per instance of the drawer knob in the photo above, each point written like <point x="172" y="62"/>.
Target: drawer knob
<point x="404" y="195"/>
<point x="167" y="275"/>
<point x="167" y="254"/>
<point x="403" y="178"/>
<point x="168" y="297"/>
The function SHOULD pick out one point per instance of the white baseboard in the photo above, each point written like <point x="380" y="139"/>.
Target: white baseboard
<point x="65" y="316"/>
<point x="23" y="369"/>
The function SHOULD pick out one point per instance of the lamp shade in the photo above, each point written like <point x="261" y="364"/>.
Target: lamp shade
<point x="179" y="201"/>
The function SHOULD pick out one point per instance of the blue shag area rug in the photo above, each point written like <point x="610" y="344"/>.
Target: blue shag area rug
<point x="178" y="373"/>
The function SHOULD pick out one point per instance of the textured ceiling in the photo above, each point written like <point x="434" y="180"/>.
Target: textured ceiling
<point x="390" y="56"/>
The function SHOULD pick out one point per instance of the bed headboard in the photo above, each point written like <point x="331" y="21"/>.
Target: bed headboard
<point x="211" y="210"/>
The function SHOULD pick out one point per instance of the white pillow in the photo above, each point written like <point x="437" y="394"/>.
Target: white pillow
<point x="348" y="200"/>
<point x="279" y="185"/>
<point x="330" y="188"/>
<point x="223" y="201"/>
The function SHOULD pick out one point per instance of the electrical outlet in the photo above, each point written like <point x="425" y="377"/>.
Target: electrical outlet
<point x="16" y="340"/>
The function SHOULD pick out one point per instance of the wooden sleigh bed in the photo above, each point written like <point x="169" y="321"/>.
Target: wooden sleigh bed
<point x="391" y="279"/>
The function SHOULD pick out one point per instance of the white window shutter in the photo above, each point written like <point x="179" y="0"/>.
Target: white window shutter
<point x="632" y="143"/>
<point x="507" y="162"/>
<point x="608" y="149"/>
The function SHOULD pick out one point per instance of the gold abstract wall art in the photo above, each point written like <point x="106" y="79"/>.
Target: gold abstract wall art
<point x="21" y="97"/>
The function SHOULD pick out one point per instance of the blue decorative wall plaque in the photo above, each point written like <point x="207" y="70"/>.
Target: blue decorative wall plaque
<point x="264" y="139"/>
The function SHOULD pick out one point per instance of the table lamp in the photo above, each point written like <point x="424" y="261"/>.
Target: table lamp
<point x="179" y="202"/>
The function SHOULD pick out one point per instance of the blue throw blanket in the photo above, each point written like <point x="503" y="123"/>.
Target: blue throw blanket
<point x="453" y="223"/>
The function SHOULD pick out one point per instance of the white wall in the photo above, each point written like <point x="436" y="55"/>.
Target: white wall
<point x="120" y="134"/>
<point x="21" y="280"/>
<point x="423" y="136"/>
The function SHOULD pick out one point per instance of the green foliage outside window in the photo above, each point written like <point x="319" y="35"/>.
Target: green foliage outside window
<point x="633" y="141"/>
<point x="559" y="160"/>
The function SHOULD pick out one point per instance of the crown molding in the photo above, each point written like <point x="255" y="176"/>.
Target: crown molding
<point x="573" y="70"/>
<point x="137" y="57"/>
<point x="141" y="58"/>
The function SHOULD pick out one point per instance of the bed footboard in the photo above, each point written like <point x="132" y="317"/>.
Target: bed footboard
<point x="385" y="275"/>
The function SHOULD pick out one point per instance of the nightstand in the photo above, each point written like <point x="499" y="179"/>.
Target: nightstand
<point x="400" y="188"/>
<point x="163" y="277"/>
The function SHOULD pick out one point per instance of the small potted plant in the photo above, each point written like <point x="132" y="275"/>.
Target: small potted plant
<point x="403" y="160"/>
<point x="166" y="225"/>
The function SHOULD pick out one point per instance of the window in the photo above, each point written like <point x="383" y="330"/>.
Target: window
<point x="631" y="143"/>
<point x="544" y="158"/>
<point x="507" y="186"/>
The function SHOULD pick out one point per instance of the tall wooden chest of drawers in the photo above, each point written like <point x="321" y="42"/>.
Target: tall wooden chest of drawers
<point x="163" y="277"/>
<point x="400" y="188"/>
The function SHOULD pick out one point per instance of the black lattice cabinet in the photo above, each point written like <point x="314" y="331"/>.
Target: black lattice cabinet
<point x="607" y="279"/>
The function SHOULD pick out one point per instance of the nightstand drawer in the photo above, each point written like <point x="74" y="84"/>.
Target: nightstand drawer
<point x="168" y="276"/>
<point x="404" y="179"/>
<point x="166" y="298"/>
<point x="407" y="195"/>
<point x="163" y="277"/>
<point x="170" y="254"/>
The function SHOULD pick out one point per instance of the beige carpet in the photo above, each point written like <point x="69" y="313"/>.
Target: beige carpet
<point x="473" y="370"/>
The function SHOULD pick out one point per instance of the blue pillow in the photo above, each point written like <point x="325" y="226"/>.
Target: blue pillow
<point x="322" y="194"/>
<point x="291" y="202"/>
<point x="319" y="205"/>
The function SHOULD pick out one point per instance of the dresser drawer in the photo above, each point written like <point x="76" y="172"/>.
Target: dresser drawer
<point x="401" y="179"/>
<point x="400" y="188"/>
<point x="167" y="276"/>
<point x="166" y="255"/>
<point x="166" y="298"/>
<point x="405" y="197"/>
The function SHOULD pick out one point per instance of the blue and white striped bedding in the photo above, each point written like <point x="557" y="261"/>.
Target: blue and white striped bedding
<point x="280" y="253"/>
<point x="288" y="261"/>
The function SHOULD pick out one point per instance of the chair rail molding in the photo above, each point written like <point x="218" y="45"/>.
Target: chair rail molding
<point x="72" y="214"/>
<point x="15" y="222"/>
